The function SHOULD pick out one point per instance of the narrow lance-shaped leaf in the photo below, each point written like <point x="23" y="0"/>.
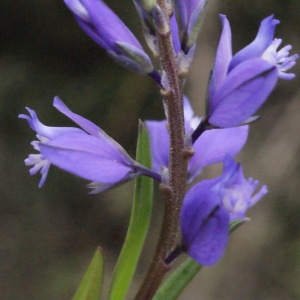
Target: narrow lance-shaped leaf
<point x="90" y="286"/>
<point x="139" y="223"/>
<point x="178" y="281"/>
<point x="184" y="274"/>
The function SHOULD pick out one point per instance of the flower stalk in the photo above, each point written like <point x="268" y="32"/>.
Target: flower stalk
<point x="178" y="161"/>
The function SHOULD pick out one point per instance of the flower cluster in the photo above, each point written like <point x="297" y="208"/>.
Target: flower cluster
<point x="238" y="86"/>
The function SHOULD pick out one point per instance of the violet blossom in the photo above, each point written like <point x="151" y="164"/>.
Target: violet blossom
<point x="88" y="152"/>
<point x="210" y="206"/>
<point x="240" y="84"/>
<point x="107" y="30"/>
<point x="211" y="147"/>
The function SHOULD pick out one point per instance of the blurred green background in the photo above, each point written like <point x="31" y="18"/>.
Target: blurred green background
<point x="48" y="235"/>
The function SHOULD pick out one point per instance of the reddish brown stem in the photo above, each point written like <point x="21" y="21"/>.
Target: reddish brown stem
<point x="175" y="191"/>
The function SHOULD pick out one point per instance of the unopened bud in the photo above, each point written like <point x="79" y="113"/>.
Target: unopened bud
<point x="160" y="20"/>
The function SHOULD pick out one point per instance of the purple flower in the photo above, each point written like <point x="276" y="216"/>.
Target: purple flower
<point x="88" y="152"/>
<point x="106" y="29"/>
<point x="210" y="206"/>
<point x="241" y="84"/>
<point x="211" y="147"/>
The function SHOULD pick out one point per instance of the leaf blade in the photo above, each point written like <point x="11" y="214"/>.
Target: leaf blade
<point x="178" y="281"/>
<point x="90" y="286"/>
<point x="139" y="223"/>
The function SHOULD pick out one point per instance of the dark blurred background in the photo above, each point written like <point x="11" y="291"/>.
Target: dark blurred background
<point x="48" y="235"/>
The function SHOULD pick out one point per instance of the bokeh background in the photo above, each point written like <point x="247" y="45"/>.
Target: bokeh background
<point x="48" y="235"/>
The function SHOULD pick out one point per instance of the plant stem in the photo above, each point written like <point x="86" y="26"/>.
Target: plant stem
<point x="178" y="159"/>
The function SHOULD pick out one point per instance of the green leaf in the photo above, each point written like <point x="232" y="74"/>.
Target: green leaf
<point x="178" y="281"/>
<point x="184" y="274"/>
<point x="90" y="286"/>
<point x="236" y="224"/>
<point x="139" y="223"/>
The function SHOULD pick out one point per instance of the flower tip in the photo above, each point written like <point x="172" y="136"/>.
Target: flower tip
<point x="286" y="76"/>
<point x="42" y="181"/>
<point x="57" y="102"/>
<point x="271" y="19"/>
<point x="264" y="190"/>
<point x="78" y="9"/>
<point x="22" y="116"/>
<point x="31" y="112"/>
<point x="222" y="17"/>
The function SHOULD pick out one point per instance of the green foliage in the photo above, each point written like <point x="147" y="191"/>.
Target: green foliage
<point x="90" y="286"/>
<point x="178" y="281"/>
<point x="139" y="223"/>
<point x="236" y="224"/>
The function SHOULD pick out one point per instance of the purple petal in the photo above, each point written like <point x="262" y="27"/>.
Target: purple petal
<point x="188" y="110"/>
<point x="38" y="164"/>
<point x="159" y="141"/>
<point x="198" y="203"/>
<point x="137" y="55"/>
<point x="186" y="8"/>
<point x="232" y="171"/>
<point x="204" y="225"/>
<point x="47" y="131"/>
<point x="108" y="25"/>
<point x="99" y="187"/>
<point x="213" y="146"/>
<point x="262" y="41"/>
<point x="242" y="93"/>
<point x="175" y="34"/>
<point x="82" y="17"/>
<point x="91" y="144"/>
<point x="238" y="194"/>
<point x="210" y="243"/>
<point x="91" y="31"/>
<point x="127" y="63"/>
<point x="196" y="12"/>
<point x="182" y="13"/>
<point x="88" y="126"/>
<point x="85" y="124"/>
<point x="223" y="57"/>
<point x="261" y="193"/>
<point x="86" y="157"/>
